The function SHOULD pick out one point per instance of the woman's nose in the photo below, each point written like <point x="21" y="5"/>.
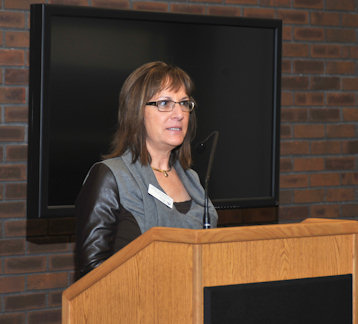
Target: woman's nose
<point x="177" y="111"/>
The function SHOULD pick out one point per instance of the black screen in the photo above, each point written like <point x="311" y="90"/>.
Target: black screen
<point x="87" y="54"/>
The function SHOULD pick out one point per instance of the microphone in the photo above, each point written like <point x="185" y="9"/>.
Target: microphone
<point x="201" y="148"/>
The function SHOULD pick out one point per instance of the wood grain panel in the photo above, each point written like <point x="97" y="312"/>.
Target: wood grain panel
<point x="267" y="260"/>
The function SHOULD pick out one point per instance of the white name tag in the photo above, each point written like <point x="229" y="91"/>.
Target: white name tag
<point x="160" y="195"/>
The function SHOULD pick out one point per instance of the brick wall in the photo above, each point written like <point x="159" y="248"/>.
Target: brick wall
<point x="319" y="143"/>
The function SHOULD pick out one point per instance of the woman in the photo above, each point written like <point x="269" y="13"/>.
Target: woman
<point x="146" y="180"/>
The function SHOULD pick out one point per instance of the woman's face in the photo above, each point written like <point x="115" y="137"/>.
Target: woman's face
<point x="166" y="130"/>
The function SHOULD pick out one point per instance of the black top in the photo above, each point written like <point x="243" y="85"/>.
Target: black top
<point x="104" y="226"/>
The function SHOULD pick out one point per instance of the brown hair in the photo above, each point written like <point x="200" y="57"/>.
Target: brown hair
<point x="141" y="85"/>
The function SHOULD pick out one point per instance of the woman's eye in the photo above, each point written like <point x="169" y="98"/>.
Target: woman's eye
<point x="184" y="103"/>
<point x="162" y="103"/>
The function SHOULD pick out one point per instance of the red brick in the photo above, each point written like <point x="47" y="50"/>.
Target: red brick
<point x="350" y="20"/>
<point x="52" y="316"/>
<point x="25" y="302"/>
<point x="55" y="298"/>
<point x="286" y="66"/>
<point x="308" y="164"/>
<point x="286" y="98"/>
<point x="349" y="210"/>
<point x="325" y="211"/>
<point x="12" y="95"/>
<point x="12" y="133"/>
<point x="72" y="2"/>
<point x="309" y="131"/>
<point x="350" y="114"/>
<point x="325" y="147"/>
<point x="295" y="50"/>
<point x="293" y="114"/>
<point x="259" y="13"/>
<point x="353" y="51"/>
<point x="47" y="280"/>
<point x="12" y="57"/>
<point x="16" y="153"/>
<point x="340" y="194"/>
<point x="350" y="178"/>
<point x="340" y="163"/>
<point x="16" y="76"/>
<point x="224" y="11"/>
<point x="276" y="3"/>
<point x="308" y="195"/>
<point x="285" y="165"/>
<point x="19" y="4"/>
<point x="293" y="16"/>
<point x="294" y="148"/>
<point x="294" y="83"/>
<point x="325" y="18"/>
<point x="293" y="213"/>
<point x="12" y="247"/>
<point x="150" y="6"/>
<point x="62" y="262"/>
<point x="341" y="99"/>
<point x="293" y="181"/>
<point x="325" y="83"/>
<point x="17" y="39"/>
<point x="111" y="4"/>
<point x="15" y="228"/>
<point x="340" y="67"/>
<point x="314" y="4"/>
<point x="346" y="51"/>
<point x="309" y="34"/>
<point x="14" y="114"/>
<point x="286" y="197"/>
<point x="12" y="209"/>
<point x="25" y="264"/>
<point x="324" y="114"/>
<point x="15" y="191"/>
<point x="286" y="131"/>
<point x="305" y="66"/>
<point x="241" y="1"/>
<point x="350" y="147"/>
<point x="12" y="172"/>
<point x="12" y="318"/>
<point x="188" y="8"/>
<point x="12" y="284"/>
<point x="12" y="19"/>
<point x="341" y="35"/>
<point x="48" y="244"/>
<point x="350" y="83"/>
<point x="309" y="98"/>
<point x="287" y="33"/>
<point x="329" y="51"/>
<point x="324" y="179"/>
<point x="345" y="5"/>
<point x="340" y="131"/>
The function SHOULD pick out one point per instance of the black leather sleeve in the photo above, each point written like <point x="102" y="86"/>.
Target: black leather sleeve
<point x="100" y="220"/>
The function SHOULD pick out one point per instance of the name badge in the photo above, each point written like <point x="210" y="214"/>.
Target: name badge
<point x="160" y="195"/>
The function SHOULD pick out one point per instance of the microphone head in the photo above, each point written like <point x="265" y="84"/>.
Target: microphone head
<point x="201" y="148"/>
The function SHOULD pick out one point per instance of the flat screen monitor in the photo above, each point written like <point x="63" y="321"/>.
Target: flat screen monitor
<point x="79" y="59"/>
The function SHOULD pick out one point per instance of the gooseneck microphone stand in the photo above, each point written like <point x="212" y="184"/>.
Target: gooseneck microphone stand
<point x="206" y="217"/>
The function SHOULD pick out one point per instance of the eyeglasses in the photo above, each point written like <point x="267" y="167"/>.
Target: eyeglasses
<point x="168" y="105"/>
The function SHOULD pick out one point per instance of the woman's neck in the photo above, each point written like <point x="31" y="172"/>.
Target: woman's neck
<point x="159" y="160"/>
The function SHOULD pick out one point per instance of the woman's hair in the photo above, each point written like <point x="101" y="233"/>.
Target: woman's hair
<point x="141" y="85"/>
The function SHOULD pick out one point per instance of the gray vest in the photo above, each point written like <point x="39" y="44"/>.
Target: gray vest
<point x="133" y="180"/>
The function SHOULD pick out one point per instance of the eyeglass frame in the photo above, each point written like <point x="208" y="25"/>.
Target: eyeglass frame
<point x="156" y="104"/>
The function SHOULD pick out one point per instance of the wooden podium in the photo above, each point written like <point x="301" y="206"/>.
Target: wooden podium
<point x="159" y="277"/>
